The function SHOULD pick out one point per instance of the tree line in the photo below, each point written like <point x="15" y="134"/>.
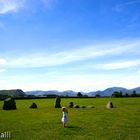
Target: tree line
<point x="120" y="94"/>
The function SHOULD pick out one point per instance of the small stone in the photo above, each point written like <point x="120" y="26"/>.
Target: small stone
<point x="83" y="106"/>
<point x="33" y="106"/>
<point x="71" y="104"/>
<point x="76" y="106"/>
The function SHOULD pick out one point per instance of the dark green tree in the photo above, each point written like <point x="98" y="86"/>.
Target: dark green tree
<point x="126" y="95"/>
<point x="97" y="95"/>
<point x="79" y="94"/>
<point x="85" y="95"/>
<point x="134" y="94"/>
<point x="117" y="94"/>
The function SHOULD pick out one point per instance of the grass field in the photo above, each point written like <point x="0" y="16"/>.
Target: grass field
<point x="99" y="123"/>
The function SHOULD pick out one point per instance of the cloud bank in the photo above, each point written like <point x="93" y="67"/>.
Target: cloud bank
<point x="93" y="52"/>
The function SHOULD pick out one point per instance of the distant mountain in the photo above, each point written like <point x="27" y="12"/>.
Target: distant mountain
<point x="13" y="93"/>
<point x="106" y="92"/>
<point x="136" y="89"/>
<point x="109" y="91"/>
<point x="40" y="92"/>
<point x="52" y="92"/>
<point x="69" y="93"/>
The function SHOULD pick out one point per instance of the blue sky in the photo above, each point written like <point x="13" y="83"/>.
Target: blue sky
<point x="80" y="45"/>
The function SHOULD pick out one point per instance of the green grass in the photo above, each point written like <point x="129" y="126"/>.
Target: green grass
<point x="99" y="123"/>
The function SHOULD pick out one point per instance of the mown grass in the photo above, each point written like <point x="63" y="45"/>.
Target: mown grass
<point x="99" y="123"/>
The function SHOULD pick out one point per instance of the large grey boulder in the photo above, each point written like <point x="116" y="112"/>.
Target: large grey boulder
<point x="109" y="105"/>
<point x="33" y="106"/>
<point x="58" y="102"/>
<point x="9" y="104"/>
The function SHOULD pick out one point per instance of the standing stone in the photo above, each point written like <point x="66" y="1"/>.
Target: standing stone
<point x="9" y="104"/>
<point x="34" y="105"/>
<point x="57" y="102"/>
<point x="71" y="104"/>
<point x="109" y="105"/>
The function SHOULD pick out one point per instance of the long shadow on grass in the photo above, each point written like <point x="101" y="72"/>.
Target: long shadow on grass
<point x="74" y="127"/>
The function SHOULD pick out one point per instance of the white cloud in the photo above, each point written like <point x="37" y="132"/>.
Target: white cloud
<point x="120" y="65"/>
<point x="40" y="60"/>
<point x="138" y="72"/>
<point x="2" y="70"/>
<point x="10" y="5"/>
<point x="2" y="61"/>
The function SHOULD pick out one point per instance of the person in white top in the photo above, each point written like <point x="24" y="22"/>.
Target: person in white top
<point x="64" y="116"/>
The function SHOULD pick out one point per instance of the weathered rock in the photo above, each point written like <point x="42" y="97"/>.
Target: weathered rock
<point x="109" y="105"/>
<point x="57" y="102"/>
<point x="9" y="104"/>
<point x="71" y="104"/>
<point x="33" y="106"/>
<point x="76" y="106"/>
